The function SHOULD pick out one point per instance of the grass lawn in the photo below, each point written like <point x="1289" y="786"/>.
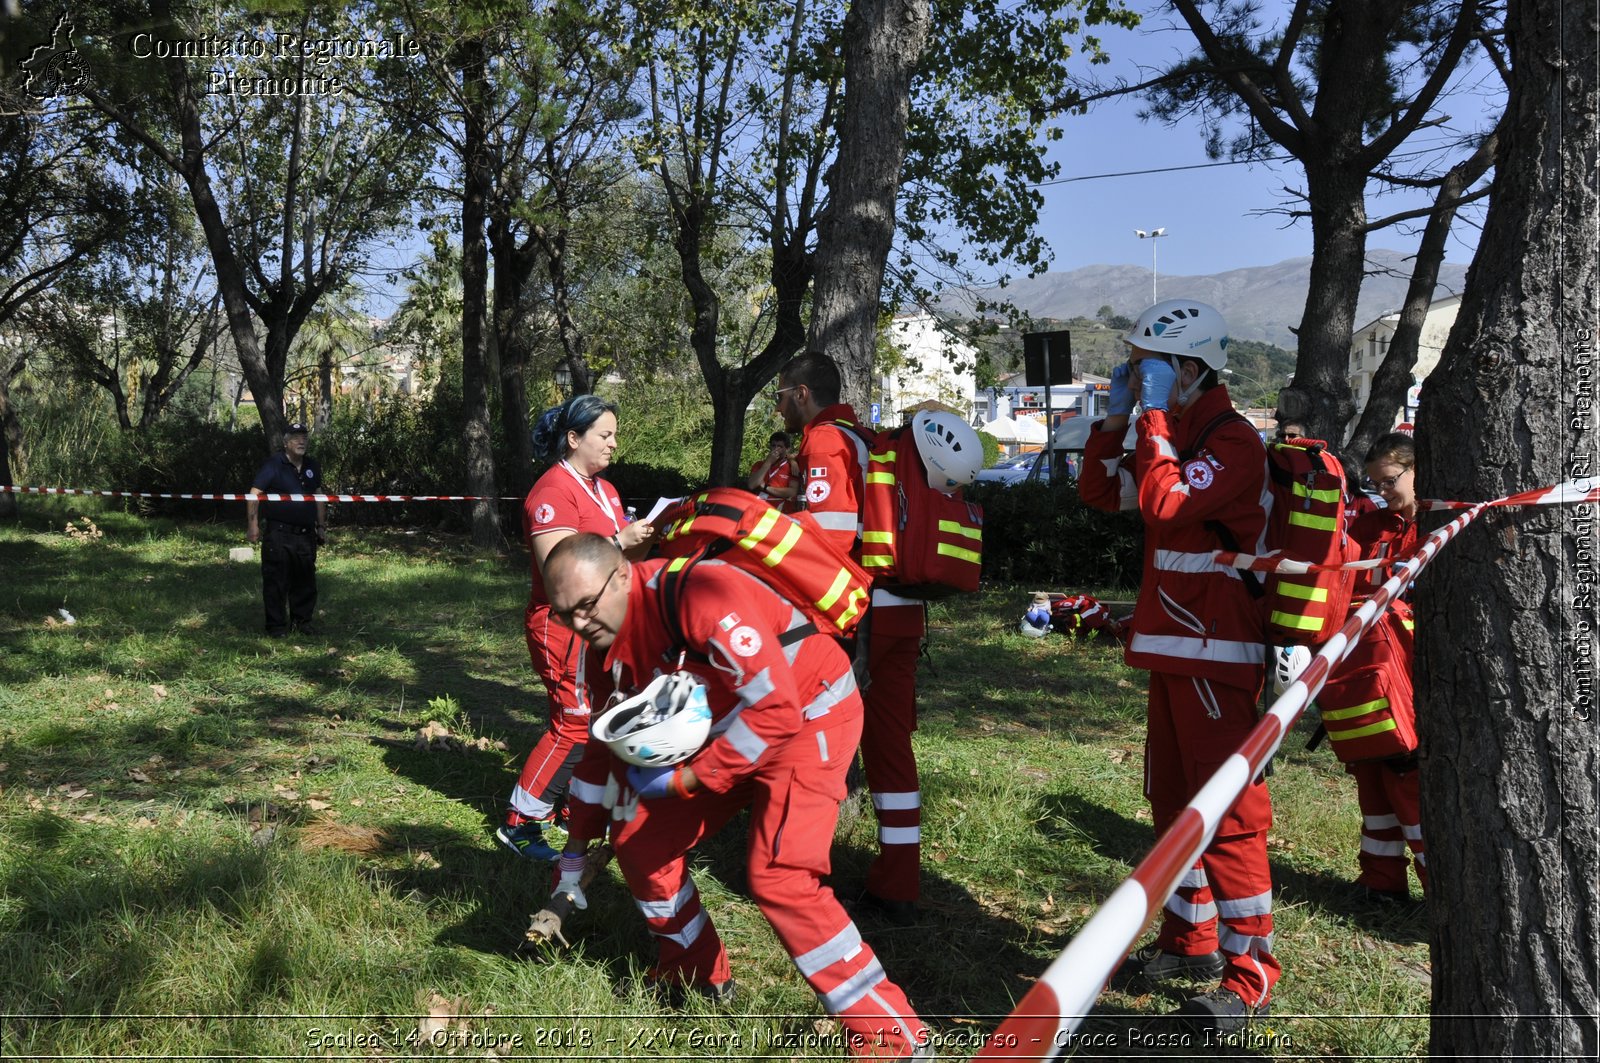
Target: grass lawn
<point x="215" y="844"/>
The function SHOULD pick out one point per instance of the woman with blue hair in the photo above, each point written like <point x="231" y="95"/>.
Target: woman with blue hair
<point x="577" y="440"/>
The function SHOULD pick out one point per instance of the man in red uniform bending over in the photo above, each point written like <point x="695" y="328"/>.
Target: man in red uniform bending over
<point x="831" y="461"/>
<point x="1198" y="474"/>
<point x="784" y="723"/>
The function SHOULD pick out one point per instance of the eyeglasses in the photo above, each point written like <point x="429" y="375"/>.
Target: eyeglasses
<point x="588" y="605"/>
<point x="777" y="393"/>
<point x="1388" y="484"/>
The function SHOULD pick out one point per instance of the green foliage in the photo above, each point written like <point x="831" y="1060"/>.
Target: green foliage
<point x="1042" y="534"/>
<point x="991" y="449"/>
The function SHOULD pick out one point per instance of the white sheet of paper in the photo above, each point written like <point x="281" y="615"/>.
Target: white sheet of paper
<point x="657" y="509"/>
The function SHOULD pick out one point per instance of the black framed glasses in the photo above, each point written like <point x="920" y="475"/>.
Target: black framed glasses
<point x="588" y="606"/>
<point x="1388" y="483"/>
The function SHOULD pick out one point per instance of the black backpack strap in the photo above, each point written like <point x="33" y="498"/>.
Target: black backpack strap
<point x="671" y="600"/>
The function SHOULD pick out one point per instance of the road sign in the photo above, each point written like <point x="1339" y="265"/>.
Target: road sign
<point x="877" y="412"/>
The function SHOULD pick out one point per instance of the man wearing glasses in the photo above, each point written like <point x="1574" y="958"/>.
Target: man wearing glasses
<point x="833" y="456"/>
<point x="786" y="719"/>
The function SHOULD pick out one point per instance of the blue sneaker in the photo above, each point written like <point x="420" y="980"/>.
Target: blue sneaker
<point x="527" y="840"/>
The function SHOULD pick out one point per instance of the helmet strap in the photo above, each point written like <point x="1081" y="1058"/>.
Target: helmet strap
<point x="1188" y="393"/>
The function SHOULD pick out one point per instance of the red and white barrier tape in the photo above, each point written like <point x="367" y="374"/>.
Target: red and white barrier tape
<point x="1573" y="492"/>
<point x="1042" y="1023"/>
<point x="10" y="489"/>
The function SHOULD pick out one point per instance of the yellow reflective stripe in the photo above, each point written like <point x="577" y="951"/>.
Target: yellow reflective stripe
<point x="886" y="458"/>
<point x="852" y="608"/>
<point x="885" y="537"/>
<point x="1362" y="732"/>
<point x="1315" y="495"/>
<point x="952" y="528"/>
<point x="1354" y="710"/>
<point x="1304" y="593"/>
<point x="1409" y="625"/>
<point x="781" y="551"/>
<point x="840" y="582"/>
<point x="946" y="550"/>
<point x="763" y="526"/>
<point x="1311" y="520"/>
<point x="876" y="561"/>
<point x="676" y="563"/>
<point x="880" y="477"/>
<point x="1293" y="620"/>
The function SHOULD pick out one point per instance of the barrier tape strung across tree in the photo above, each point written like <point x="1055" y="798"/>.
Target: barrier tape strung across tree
<point x="1042" y="1024"/>
<point x="1573" y="492"/>
<point x="9" y="489"/>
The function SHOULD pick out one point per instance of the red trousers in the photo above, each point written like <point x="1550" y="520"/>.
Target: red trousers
<point x="1391" y="820"/>
<point x="891" y="765"/>
<point x="1193" y="726"/>
<point x="558" y="657"/>
<point x="793" y="797"/>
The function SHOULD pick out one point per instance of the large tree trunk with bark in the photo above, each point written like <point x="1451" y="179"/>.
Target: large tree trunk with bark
<point x="475" y="293"/>
<point x="883" y="40"/>
<point x="10" y="429"/>
<point x="1506" y="623"/>
<point x="1320" y="395"/>
<point x="513" y="265"/>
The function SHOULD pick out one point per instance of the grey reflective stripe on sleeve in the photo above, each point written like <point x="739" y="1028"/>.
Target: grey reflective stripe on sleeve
<point x="1197" y="563"/>
<point x="756" y="687"/>
<point x="883" y="597"/>
<point x="744" y="741"/>
<point x="832" y="694"/>
<point x="843" y="945"/>
<point x="837" y="520"/>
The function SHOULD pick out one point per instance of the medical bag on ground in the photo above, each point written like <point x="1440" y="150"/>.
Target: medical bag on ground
<point x="1307" y="524"/>
<point x="916" y="541"/>
<point x="1084" y="616"/>
<point x="788" y="552"/>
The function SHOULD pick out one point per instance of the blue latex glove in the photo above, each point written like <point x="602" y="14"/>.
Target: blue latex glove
<point x="1121" y="391"/>
<point x="651" y="782"/>
<point x="1155" y="383"/>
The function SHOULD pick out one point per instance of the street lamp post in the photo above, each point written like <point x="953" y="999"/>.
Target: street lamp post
<point x="1152" y="236"/>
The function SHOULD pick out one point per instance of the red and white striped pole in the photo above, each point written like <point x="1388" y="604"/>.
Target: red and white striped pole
<point x="1042" y="1024"/>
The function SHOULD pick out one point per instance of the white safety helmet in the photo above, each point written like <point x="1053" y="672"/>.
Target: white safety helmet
<point x="949" y="449"/>
<point x="1185" y="328"/>
<point x="665" y="723"/>
<point x="1290" y="662"/>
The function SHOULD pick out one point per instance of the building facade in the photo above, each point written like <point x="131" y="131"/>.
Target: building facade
<point x="1370" y="345"/>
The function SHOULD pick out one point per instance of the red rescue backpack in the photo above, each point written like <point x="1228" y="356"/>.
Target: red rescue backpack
<point x="788" y="552"/>
<point x="1367" y="705"/>
<point x="916" y="541"/>
<point x="1084" y="616"/>
<point x="1307" y="524"/>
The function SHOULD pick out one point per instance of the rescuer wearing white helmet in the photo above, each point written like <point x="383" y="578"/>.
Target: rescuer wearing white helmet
<point x="832" y="457"/>
<point x="1199" y="479"/>
<point x="750" y="708"/>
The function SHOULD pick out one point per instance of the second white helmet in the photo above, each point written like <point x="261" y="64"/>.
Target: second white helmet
<point x="949" y="448"/>
<point x="1182" y="327"/>
<point x="665" y="723"/>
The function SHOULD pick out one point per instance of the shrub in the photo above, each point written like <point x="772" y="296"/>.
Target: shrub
<point x="1043" y="535"/>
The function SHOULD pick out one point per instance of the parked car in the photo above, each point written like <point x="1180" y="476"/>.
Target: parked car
<point x="1066" y="448"/>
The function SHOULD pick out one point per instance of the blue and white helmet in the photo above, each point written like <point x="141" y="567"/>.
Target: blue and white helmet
<point x="665" y="723"/>
<point x="949" y="448"/>
<point x="1185" y="328"/>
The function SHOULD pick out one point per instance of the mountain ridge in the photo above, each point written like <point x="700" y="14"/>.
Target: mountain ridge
<point x="1260" y="302"/>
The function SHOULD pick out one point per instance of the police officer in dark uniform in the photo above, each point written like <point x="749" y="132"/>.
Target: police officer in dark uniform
<point x="293" y="532"/>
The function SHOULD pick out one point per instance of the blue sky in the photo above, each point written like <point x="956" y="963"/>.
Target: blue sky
<point x="1208" y="211"/>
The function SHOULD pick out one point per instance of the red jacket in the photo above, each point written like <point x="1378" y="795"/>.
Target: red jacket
<point x="1194" y="617"/>
<point x="759" y="699"/>
<point x="1389" y="535"/>
<point x="832" y="464"/>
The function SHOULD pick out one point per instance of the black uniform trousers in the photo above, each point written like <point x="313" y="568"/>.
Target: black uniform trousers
<point x="288" y="576"/>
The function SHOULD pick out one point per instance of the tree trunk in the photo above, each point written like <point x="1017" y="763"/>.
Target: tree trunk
<point x="1393" y="378"/>
<point x="1320" y="395"/>
<point x="10" y="430"/>
<point x="513" y="265"/>
<point x="883" y="40"/>
<point x="475" y="292"/>
<point x="1507" y="639"/>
